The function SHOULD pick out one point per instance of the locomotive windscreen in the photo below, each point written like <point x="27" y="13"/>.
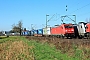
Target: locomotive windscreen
<point x="68" y="26"/>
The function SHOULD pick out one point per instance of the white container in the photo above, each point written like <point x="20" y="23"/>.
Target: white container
<point x="47" y="31"/>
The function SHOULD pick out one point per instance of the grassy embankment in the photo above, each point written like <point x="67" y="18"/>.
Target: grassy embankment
<point x="12" y="48"/>
<point x="19" y="48"/>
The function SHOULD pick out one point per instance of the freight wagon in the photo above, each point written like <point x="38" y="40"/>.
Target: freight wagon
<point x="32" y="32"/>
<point x="40" y="32"/>
<point x="47" y="31"/>
<point x="35" y="32"/>
<point x="26" y="33"/>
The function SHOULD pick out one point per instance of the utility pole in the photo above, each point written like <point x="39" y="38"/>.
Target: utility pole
<point x="46" y="20"/>
<point x="46" y="24"/>
<point x="62" y="17"/>
<point x="75" y="18"/>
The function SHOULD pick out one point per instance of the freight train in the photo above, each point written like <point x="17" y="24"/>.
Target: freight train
<point x="80" y="30"/>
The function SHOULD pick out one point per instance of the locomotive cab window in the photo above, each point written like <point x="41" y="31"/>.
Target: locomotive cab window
<point x="66" y="26"/>
<point x="70" y="26"/>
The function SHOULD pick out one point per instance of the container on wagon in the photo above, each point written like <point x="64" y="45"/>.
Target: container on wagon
<point x="25" y="33"/>
<point x="40" y="32"/>
<point x="32" y="32"/>
<point x="35" y="32"/>
<point x="29" y="33"/>
<point x="47" y="31"/>
<point x="22" y="33"/>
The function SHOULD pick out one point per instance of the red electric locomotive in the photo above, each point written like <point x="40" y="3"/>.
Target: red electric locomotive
<point x="64" y="30"/>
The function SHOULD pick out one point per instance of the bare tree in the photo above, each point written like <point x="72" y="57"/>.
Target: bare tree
<point x="18" y="27"/>
<point x="20" y="24"/>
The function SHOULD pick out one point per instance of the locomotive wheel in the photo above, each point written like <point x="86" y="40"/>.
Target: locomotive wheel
<point x="61" y="36"/>
<point x="80" y="37"/>
<point x="88" y="35"/>
<point x="58" y="36"/>
<point x="67" y="37"/>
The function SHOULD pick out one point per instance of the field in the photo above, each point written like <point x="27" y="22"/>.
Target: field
<point x="42" y="48"/>
<point x="13" y="48"/>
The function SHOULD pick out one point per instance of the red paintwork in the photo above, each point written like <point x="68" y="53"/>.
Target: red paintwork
<point x="56" y="30"/>
<point x="62" y="30"/>
<point x="69" y="30"/>
<point x="88" y="27"/>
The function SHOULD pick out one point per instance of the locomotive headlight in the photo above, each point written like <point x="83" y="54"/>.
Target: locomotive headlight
<point x="72" y="30"/>
<point x="66" y="30"/>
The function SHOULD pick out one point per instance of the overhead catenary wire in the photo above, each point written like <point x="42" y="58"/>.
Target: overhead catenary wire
<point x="55" y="15"/>
<point x="80" y="8"/>
<point x="67" y="10"/>
<point x="51" y="18"/>
<point x="57" y="18"/>
<point x="83" y="14"/>
<point x="63" y="11"/>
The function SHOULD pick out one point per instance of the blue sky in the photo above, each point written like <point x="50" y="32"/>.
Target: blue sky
<point x="34" y="12"/>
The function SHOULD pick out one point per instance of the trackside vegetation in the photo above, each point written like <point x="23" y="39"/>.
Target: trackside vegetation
<point x="43" y="51"/>
<point x="20" y="48"/>
<point x="12" y="48"/>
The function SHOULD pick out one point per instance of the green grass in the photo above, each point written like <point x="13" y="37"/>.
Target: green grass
<point x="43" y="51"/>
<point x="4" y="39"/>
